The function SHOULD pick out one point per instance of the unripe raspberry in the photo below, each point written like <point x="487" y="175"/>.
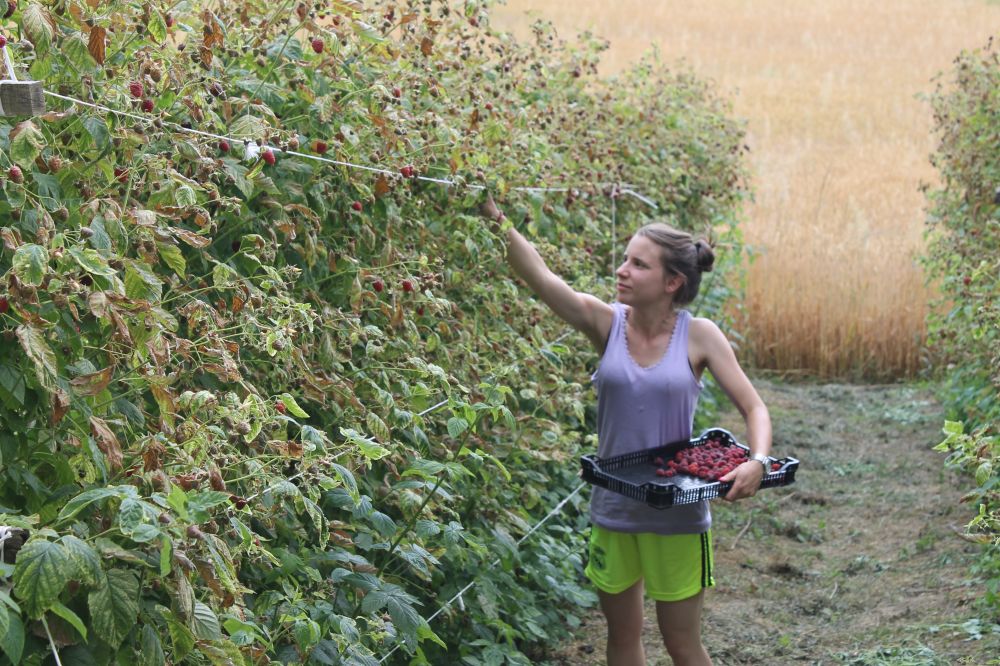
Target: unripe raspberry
<point x="15" y="174"/>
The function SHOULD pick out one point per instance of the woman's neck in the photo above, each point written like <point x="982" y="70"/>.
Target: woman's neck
<point x="650" y="322"/>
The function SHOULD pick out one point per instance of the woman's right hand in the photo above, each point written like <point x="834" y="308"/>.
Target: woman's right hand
<point x="490" y="210"/>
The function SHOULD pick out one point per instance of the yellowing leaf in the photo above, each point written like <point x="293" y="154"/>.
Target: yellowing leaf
<point x="107" y="442"/>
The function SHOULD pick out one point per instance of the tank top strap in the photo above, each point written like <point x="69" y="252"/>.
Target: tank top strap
<point x="679" y="340"/>
<point x="617" y="334"/>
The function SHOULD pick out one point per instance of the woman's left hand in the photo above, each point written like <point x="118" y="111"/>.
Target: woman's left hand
<point x="746" y="480"/>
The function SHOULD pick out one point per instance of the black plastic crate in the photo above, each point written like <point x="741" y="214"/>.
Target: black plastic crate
<point x="634" y="474"/>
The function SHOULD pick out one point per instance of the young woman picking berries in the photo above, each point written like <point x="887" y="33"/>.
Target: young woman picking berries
<point x="653" y="354"/>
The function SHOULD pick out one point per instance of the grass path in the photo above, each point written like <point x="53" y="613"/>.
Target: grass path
<point x="860" y="562"/>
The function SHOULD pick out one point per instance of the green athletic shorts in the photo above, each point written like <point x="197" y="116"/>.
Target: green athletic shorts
<point x="674" y="567"/>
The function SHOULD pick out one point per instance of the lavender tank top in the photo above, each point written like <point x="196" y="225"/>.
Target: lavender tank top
<point x="640" y="408"/>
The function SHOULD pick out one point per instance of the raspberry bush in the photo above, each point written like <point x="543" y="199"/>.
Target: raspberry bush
<point x="257" y="408"/>
<point x="964" y="261"/>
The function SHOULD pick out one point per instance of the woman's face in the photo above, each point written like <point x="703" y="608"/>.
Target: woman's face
<point x="641" y="277"/>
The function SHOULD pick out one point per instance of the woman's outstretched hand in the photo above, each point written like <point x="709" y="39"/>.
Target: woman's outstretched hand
<point x="490" y="210"/>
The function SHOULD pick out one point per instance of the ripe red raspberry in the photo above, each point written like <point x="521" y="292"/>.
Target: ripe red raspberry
<point x="121" y="174"/>
<point x="268" y="156"/>
<point x="147" y="105"/>
<point x="317" y="44"/>
<point x="320" y="146"/>
<point x="4" y="305"/>
<point x="136" y="89"/>
<point x="489" y="106"/>
<point x="378" y="285"/>
<point x="15" y="174"/>
<point x="357" y="206"/>
<point x="407" y="172"/>
<point x="280" y="406"/>
<point x="3" y="41"/>
<point x="224" y="146"/>
<point x="397" y="92"/>
<point x="408" y="286"/>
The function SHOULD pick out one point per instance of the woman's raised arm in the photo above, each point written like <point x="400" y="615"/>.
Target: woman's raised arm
<point x="584" y="312"/>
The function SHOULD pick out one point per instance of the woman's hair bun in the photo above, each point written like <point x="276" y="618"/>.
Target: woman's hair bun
<point x="705" y="257"/>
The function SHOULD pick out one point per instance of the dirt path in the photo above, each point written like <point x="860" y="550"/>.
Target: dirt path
<point x="857" y="563"/>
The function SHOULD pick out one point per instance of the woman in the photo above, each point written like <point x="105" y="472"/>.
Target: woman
<point x="653" y="354"/>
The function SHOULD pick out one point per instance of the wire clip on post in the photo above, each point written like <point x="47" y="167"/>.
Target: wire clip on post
<point x="18" y="98"/>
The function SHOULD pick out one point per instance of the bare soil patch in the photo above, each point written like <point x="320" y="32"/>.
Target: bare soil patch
<point x="860" y="562"/>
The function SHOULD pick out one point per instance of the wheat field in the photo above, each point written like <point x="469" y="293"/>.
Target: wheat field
<point x="840" y="139"/>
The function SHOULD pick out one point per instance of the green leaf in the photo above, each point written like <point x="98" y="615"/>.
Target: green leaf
<point x="4" y="615"/>
<point x="86" y="561"/>
<point x="27" y="145"/>
<point x="71" y="617"/>
<point x="248" y="127"/>
<point x="157" y="27"/>
<point x="141" y="283"/>
<point x="12" y="385"/>
<point x="166" y="556"/>
<point x="30" y="264"/>
<point x="293" y="407"/>
<point x="369" y="448"/>
<point x="13" y="639"/>
<point x="114" y="606"/>
<point x="151" y="650"/>
<point x="200" y="504"/>
<point x="398" y="602"/>
<point x="180" y="636"/>
<point x="173" y="257"/>
<point x="185" y="196"/>
<point x="40" y="575"/>
<point x="38" y="25"/>
<point x="87" y="497"/>
<point x="457" y="425"/>
<point x="92" y="262"/>
<point x="204" y="623"/>
<point x="130" y="515"/>
<point x="97" y="128"/>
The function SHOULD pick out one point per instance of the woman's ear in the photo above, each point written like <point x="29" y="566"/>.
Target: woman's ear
<point x="673" y="283"/>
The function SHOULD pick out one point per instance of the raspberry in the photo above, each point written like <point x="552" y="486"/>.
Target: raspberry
<point x="407" y="286"/>
<point x="136" y="89"/>
<point x="317" y="44"/>
<point x="224" y="146"/>
<point x="3" y="41"/>
<point x="407" y="172"/>
<point x="397" y="93"/>
<point x="357" y="206"/>
<point x="15" y="174"/>
<point x="280" y="406"/>
<point x="320" y="147"/>
<point x="268" y="156"/>
<point x="147" y="105"/>
<point x="378" y="285"/>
